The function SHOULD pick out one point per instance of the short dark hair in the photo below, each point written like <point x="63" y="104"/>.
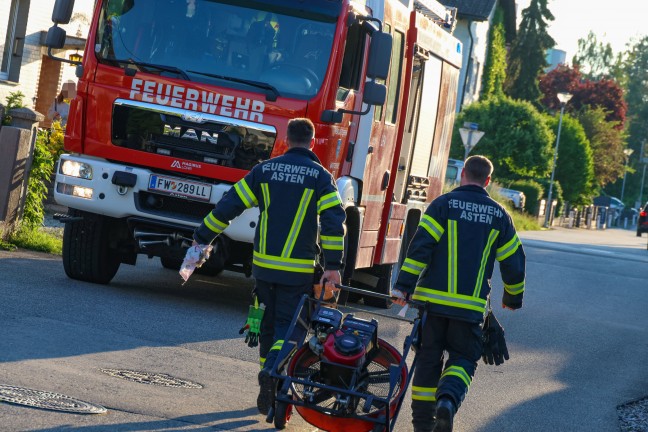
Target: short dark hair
<point x="300" y="132"/>
<point x="478" y="169"/>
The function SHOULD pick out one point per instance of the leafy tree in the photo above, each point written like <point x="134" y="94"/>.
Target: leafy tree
<point x="517" y="139"/>
<point x="574" y="166"/>
<point x="607" y="143"/>
<point x="527" y="57"/>
<point x="595" y="59"/>
<point x="606" y="93"/>
<point x="495" y="69"/>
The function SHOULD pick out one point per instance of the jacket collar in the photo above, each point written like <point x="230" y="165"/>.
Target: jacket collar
<point x="304" y="152"/>
<point x="471" y="188"/>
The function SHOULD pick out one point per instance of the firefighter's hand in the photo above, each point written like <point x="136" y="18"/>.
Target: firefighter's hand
<point x="399" y="297"/>
<point x="205" y="253"/>
<point x="330" y="278"/>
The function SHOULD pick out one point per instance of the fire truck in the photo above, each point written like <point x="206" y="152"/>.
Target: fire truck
<point x="178" y="99"/>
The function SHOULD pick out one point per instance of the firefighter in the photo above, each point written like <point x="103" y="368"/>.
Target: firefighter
<point x="448" y="266"/>
<point x="297" y="199"/>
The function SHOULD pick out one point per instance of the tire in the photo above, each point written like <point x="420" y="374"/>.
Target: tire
<point x="384" y="274"/>
<point x="283" y="412"/>
<point x="87" y="253"/>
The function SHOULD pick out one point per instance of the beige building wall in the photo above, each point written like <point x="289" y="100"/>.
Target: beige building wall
<point x="39" y="20"/>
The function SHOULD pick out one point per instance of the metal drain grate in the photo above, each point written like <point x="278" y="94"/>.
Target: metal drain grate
<point x="151" y="378"/>
<point x="47" y="400"/>
<point x="633" y="416"/>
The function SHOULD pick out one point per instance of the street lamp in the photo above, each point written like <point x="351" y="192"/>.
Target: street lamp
<point x="563" y="98"/>
<point x="627" y="153"/>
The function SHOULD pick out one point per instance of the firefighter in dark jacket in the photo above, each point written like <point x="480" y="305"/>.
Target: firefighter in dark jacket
<point x="449" y="265"/>
<point x="298" y="201"/>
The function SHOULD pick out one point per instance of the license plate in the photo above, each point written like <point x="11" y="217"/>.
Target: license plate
<point x="180" y="188"/>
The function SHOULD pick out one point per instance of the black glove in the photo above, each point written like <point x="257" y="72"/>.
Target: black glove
<point x="494" y="345"/>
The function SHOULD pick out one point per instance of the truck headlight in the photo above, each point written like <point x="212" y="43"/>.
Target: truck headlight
<point x="76" y="169"/>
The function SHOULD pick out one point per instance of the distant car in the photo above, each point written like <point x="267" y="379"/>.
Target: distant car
<point x="517" y="198"/>
<point x="642" y="222"/>
<point x="453" y="171"/>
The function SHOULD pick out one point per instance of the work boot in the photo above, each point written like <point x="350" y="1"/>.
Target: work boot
<point x="445" y="411"/>
<point x="266" y="391"/>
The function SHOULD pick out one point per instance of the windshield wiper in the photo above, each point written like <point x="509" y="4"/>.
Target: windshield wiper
<point x="271" y="94"/>
<point x="159" y="67"/>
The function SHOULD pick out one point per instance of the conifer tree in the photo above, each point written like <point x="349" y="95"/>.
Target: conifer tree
<point x="527" y="57"/>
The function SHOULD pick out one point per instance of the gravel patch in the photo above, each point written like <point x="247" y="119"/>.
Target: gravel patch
<point x="633" y="416"/>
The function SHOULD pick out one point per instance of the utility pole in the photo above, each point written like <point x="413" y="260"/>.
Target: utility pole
<point x="563" y="98"/>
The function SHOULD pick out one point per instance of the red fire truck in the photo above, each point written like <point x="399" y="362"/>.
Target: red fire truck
<point x="178" y="99"/>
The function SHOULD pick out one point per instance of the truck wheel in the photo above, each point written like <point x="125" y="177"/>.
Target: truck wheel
<point x="384" y="274"/>
<point x="87" y="253"/>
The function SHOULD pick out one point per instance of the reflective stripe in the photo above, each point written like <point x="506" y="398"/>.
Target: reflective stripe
<point x="263" y="228"/>
<point x="508" y="249"/>
<point x="281" y="263"/>
<point x="515" y="289"/>
<point x="277" y="345"/>
<point x="432" y="227"/>
<point x="413" y="266"/>
<point x="452" y="256"/>
<point x="245" y="194"/>
<point x="424" y="393"/>
<point x="297" y="223"/>
<point x="449" y="299"/>
<point x="214" y="224"/>
<point x="484" y="261"/>
<point x="262" y="361"/>
<point x="332" y="242"/>
<point x="328" y="201"/>
<point x="457" y="371"/>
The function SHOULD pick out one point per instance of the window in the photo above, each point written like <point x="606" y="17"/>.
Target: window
<point x="7" y="35"/>
<point x="350" y="76"/>
<point x="378" y="111"/>
<point x="395" y="68"/>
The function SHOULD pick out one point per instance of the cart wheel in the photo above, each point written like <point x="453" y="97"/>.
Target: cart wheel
<point x="283" y="412"/>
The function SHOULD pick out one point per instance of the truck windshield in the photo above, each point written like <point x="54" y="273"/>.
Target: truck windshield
<point x="211" y="41"/>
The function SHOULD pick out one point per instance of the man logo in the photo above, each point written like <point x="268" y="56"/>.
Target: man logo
<point x="192" y="117"/>
<point x="175" y="164"/>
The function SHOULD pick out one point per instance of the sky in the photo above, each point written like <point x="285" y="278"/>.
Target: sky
<point x="614" y="22"/>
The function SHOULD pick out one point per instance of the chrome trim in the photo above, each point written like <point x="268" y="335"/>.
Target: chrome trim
<point x="203" y="117"/>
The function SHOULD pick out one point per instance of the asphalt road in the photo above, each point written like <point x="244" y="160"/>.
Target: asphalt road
<point x="578" y="346"/>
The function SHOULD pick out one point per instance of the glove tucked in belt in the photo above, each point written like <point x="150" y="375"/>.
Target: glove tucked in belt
<point x="494" y="345"/>
<point x="252" y="327"/>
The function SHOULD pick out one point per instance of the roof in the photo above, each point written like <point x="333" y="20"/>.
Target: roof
<point x="477" y="10"/>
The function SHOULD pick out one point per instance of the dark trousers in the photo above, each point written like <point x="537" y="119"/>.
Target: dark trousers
<point x="432" y="380"/>
<point x="281" y="303"/>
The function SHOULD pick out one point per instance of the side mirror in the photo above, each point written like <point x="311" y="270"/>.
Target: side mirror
<point x="62" y="11"/>
<point x="55" y="37"/>
<point x="374" y="93"/>
<point x="379" y="56"/>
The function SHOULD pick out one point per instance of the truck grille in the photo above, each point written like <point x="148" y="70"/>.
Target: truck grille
<point x="172" y="207"/>
<point x="195" y="136"/>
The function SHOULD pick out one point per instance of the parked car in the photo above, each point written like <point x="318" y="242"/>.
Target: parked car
<point x="453" y="171"/>
<point x="517" y="198"/>
<point x="642" y="222"/>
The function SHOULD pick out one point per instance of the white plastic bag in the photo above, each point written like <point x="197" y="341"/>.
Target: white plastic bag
<point x="195" y="257"/>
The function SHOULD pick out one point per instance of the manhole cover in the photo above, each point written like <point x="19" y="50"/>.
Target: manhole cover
<point x="151" y="378"/>
<point x="47" y="400"/>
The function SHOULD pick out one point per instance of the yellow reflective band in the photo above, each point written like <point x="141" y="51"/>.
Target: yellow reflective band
<point x="297" y="223"/>
<point x="449" y="299"/>
<point x="508" y="249"/>
<point x="459" y="372"/>
<point x="484" y="261"/>
<point x="287" y="264"/>
<point x="214" y="224"/>
<point x="328" y="201"/>
<point x="277" y="345"/>
<point x="427" y="394"/>
<point x="263" y="228"/>
<point x="413" y="266"/>
<point x="452" y="256"/>
<point x="262" y="361"/>
<point x="245" y="194"/>
<point x="332" y="242"/>
<point x="432" y="227"/>
<point x="515" y="289"/>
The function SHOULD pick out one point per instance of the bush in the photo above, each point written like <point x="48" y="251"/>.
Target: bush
<point x="532" y="191"/>
<point x="39" y="175"/>
<point x="14" y="100"/>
